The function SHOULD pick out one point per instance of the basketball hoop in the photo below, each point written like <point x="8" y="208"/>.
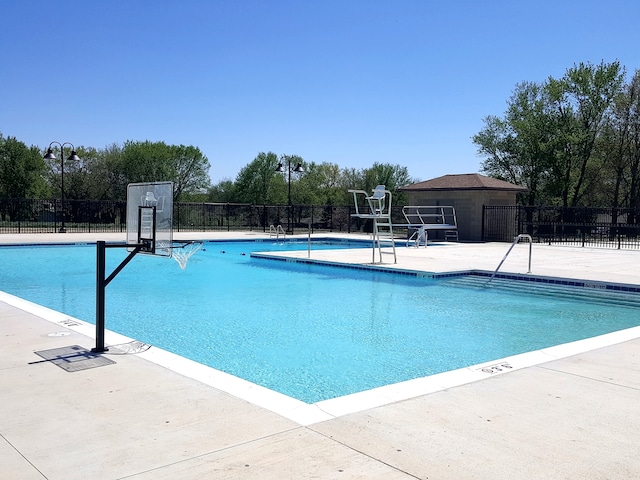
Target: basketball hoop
<point x="182" y="251"/>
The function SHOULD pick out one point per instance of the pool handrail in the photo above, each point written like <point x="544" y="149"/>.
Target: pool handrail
<point x="515" y="241"/>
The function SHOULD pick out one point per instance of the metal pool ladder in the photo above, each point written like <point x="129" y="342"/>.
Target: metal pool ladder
<point x="515" y="241"/>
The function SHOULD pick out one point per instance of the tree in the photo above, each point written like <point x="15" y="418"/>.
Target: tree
<point x="82" y="177"/>
<point x="147" y="161"/>
<point x="222" y="192"/>
<point x="391" y="176"/>
<point x="257" y="182"/>
<point x="190" y="170"/>
<point x="109" y="169"/>
<point x="22" y="170"/>
<point x="548" y="138"/>
<point x="320" y="184"/>
<point x="623" y="145"/>
<point x="581" y="99"/>
<point x="632" y="150"/>
<point x="518" y="148"/>
<point x="350" y="179"/>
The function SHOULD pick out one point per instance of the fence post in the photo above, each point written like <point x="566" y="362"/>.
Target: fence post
<point x="331" y="218"/>
<point x="311" y="222"/>
<point x="264" y="218"/>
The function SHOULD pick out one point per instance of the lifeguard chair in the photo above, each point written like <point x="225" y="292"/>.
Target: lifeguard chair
<point x="379" y="211"/>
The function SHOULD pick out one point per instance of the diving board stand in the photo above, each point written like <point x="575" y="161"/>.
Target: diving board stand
<point x="376" y="206"/>
<point x="422" y="218"/>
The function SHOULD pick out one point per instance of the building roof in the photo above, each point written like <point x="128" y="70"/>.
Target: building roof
<point x="465" y="181"/>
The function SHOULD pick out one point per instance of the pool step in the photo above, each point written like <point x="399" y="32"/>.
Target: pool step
<point x="597" y="295"/>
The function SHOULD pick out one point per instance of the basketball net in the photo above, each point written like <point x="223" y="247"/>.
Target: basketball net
<point x="182" y="253"/>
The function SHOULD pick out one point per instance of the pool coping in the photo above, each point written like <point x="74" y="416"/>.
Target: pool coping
<point x="308" y="414"/>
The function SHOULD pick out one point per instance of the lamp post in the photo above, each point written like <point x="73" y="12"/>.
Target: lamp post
<point x="51" y="156"/>
<point x="298" y="169"/>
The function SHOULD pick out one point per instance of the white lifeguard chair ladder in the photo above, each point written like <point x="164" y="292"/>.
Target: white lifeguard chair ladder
<point x="379" y="206"/>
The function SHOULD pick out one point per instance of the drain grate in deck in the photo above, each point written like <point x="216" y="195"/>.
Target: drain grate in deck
<point x="74" y="358"/>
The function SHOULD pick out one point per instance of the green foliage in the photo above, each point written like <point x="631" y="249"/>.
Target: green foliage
<point x="89" y="176"/>
<point x="619" y="148"/>
<point x="319" y="183"/>
<point x="22" y="170"/>
<point x="190" y="171"/>
<point x="222" y="192"/>
<point x="257" y="183"/>
<point x="147" y="161"/>
<point x="555" y="137"/>
<point x="393" y="177"/>
<point x="519" y="147"/>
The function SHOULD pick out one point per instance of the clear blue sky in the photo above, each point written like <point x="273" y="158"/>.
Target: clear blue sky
<point x="351" y="82"/>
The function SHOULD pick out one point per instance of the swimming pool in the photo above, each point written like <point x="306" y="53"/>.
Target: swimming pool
<point x="311" y="332"/>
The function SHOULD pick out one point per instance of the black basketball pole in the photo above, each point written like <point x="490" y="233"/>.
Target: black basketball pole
<point x="101" y="285"/>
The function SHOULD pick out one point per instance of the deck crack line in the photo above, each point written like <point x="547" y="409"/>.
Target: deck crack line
<point x="365" y="454"/>
<point x="590" y="378"/>
<point x="22" y="455"/>
<point x="160" y="467"/>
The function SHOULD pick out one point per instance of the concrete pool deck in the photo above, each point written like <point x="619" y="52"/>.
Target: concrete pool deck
<point x="572" y="417"/>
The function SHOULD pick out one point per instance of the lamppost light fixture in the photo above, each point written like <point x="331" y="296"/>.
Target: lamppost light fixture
<point x="280" y="169"/>
<point x="52" y="156"/>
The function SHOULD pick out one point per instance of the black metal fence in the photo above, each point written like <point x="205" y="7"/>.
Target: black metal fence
<point x="86" y="216"/>
<point x="597" y="227"/>
<point x="48" y="216"/>
<point x="230" y="217"/>
<point x="603" y="227"/>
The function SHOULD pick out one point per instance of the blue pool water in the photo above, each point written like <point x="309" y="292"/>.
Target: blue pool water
<point x="309" y="331"/>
